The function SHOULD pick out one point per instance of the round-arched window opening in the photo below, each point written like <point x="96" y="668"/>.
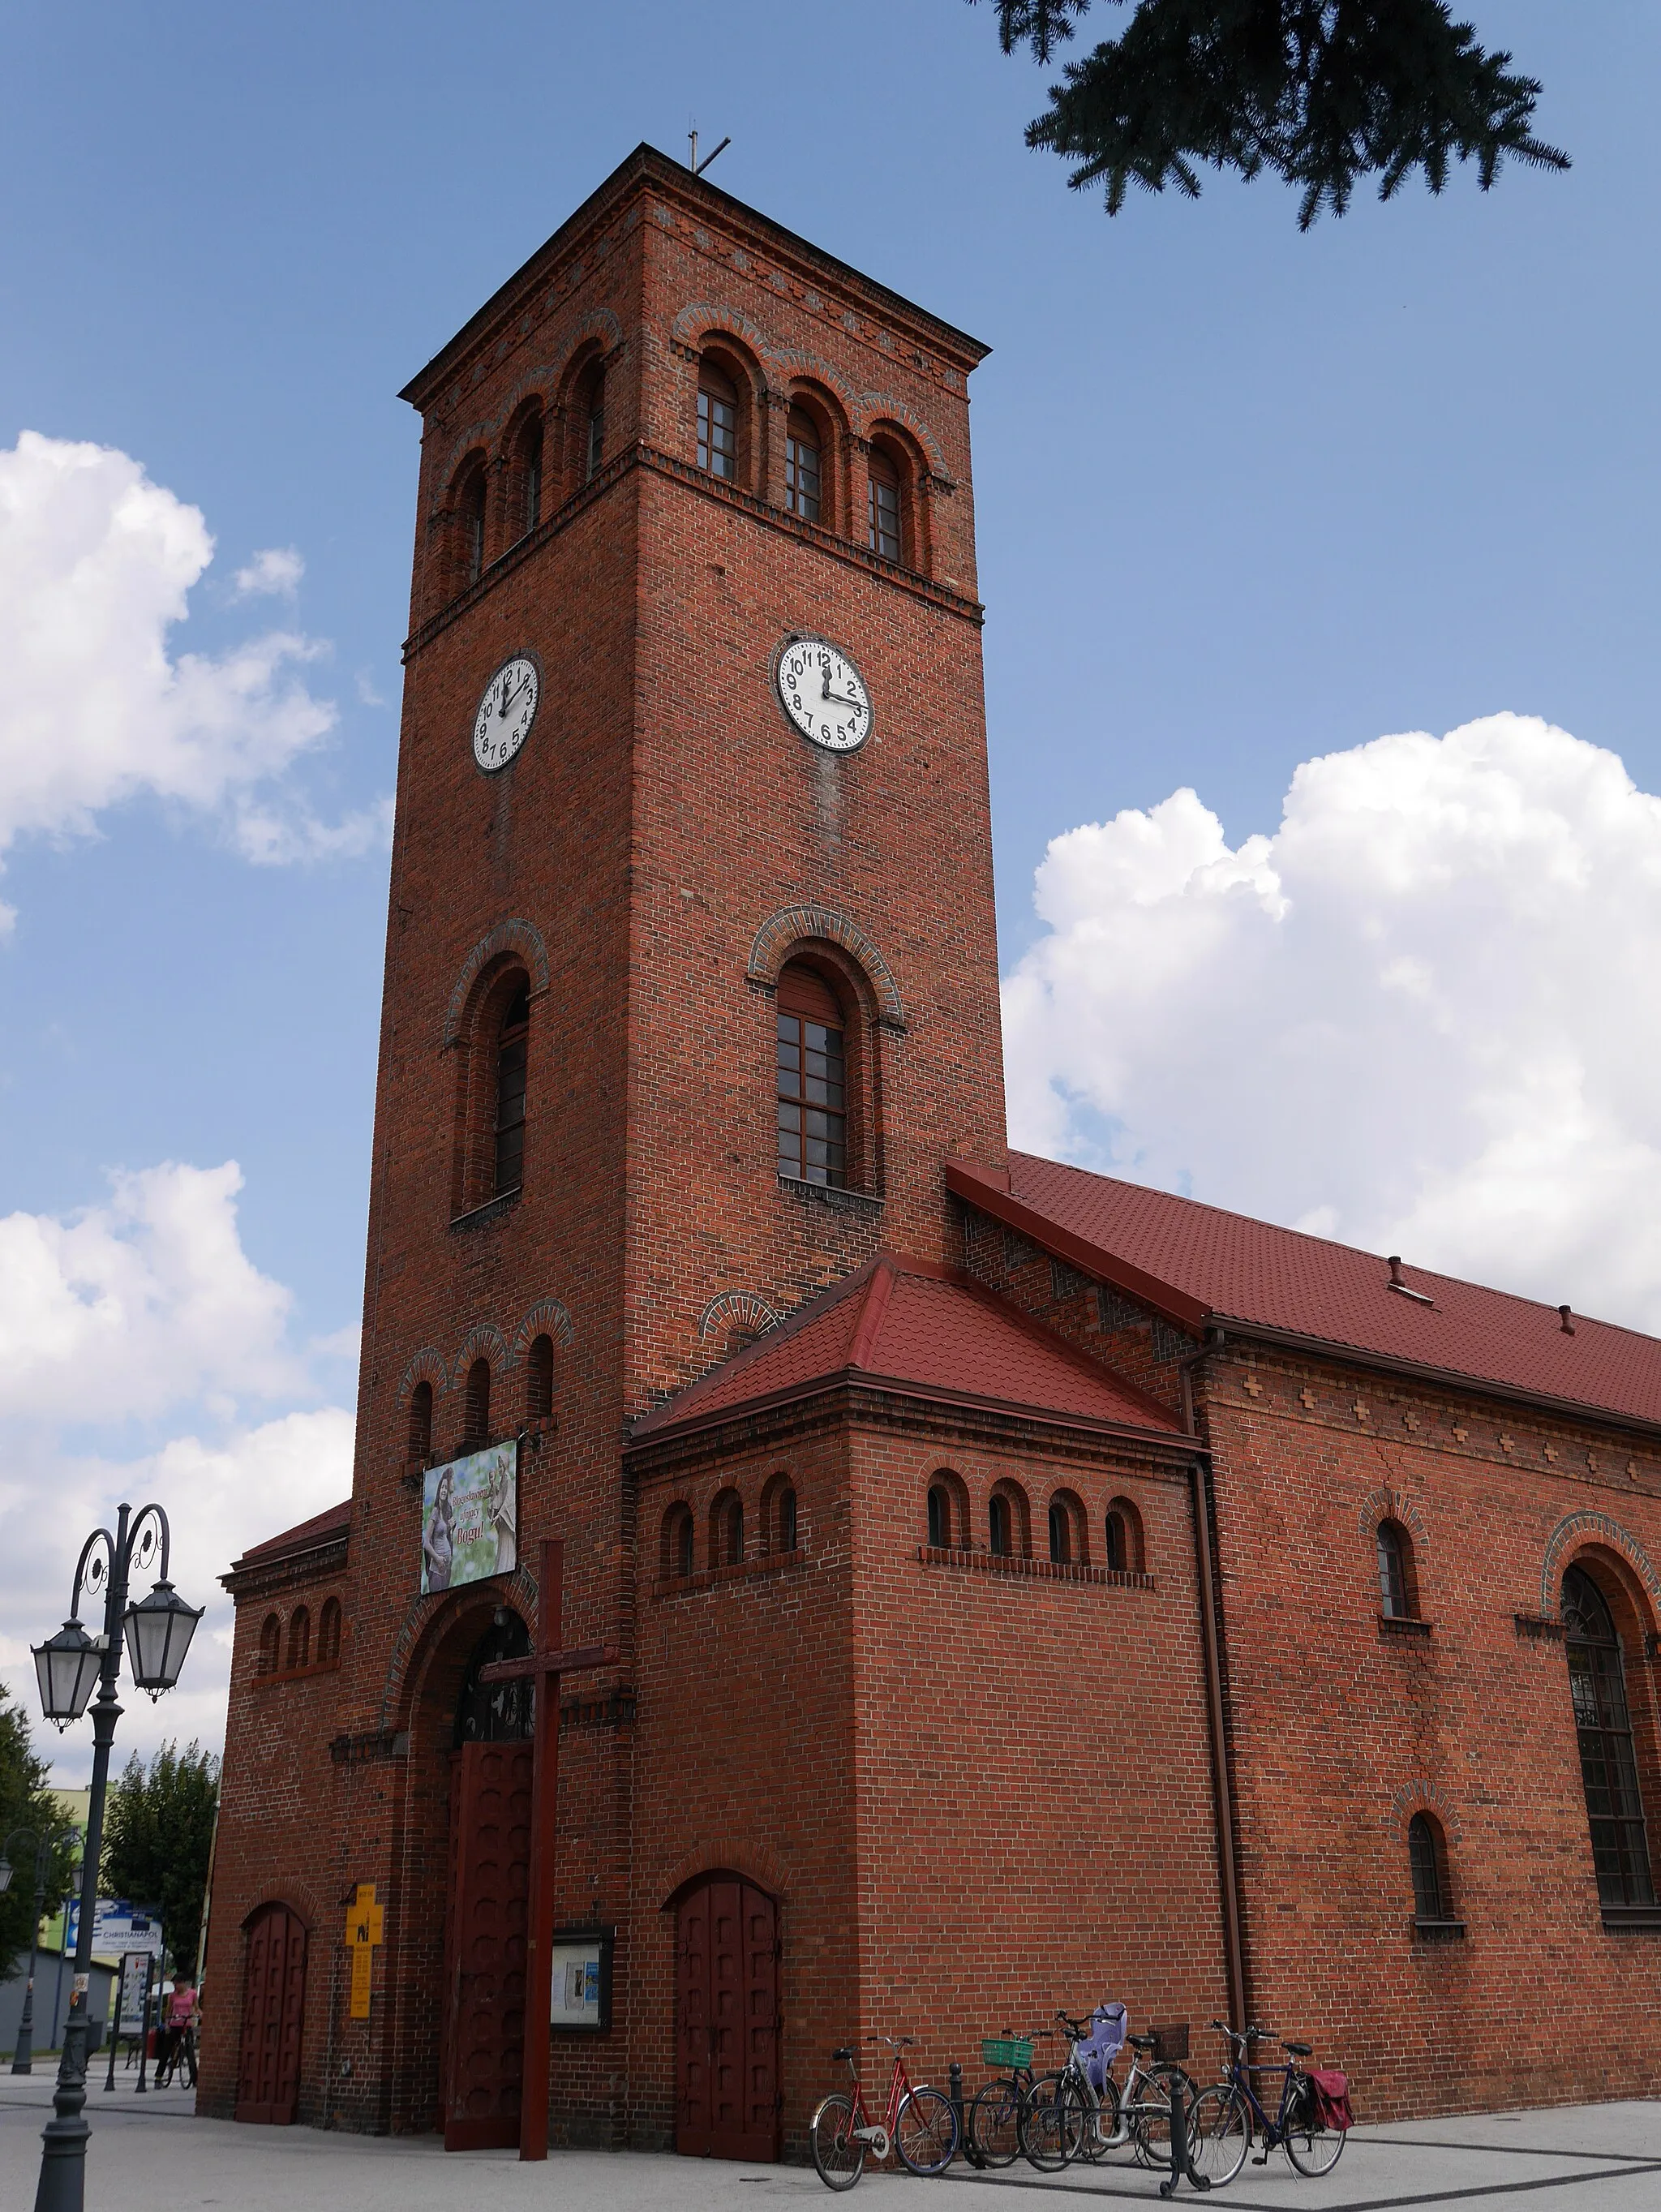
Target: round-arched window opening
<point x="940" y="1516"/>
<point x="1602" y="1728"/>
<point x="718" y="421"/>
<point x="801" y="464"/>
<point x="999" y="1525"/>
<point x="1426" y="1864"/>
<point x="1395" y="1576"/>
<point x="1061" y="1535"/>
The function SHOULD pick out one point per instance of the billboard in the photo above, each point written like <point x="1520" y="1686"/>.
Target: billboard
<point x="469" y="1513"/>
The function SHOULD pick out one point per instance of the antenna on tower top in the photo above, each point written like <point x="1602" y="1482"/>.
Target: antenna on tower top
<point x="697" y="166"/>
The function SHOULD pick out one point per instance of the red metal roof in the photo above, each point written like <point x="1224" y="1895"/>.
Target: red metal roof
<point x="920" y="1328"/>
<point x="1197" y="1262"/>
<point x="305" y="1536"/>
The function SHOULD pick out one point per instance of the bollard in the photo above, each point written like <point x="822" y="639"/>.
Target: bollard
<point x="954" y="2079"/>
<point x="1181" y="2164"/>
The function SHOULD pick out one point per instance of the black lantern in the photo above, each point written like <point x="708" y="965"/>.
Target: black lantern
<point x="68" y="1666"/>
<point x="159" y="1632"/>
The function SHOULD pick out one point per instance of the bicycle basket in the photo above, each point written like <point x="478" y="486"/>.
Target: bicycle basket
<point x="1001" y="2050"/>
<point x="1170" y="2043"/>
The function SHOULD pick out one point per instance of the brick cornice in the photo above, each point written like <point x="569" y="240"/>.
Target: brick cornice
<point x="292" y="1570"/>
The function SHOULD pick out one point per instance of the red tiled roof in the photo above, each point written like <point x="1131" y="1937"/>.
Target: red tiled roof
<point x="305" y="1536"/>
<point x="1197" y="1263"/>
<point x="923" y="1329"/>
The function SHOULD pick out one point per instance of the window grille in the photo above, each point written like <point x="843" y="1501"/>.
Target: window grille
<point x="812" y="1081"/>
<point x="475" y="1433"/>
<point x="718" y="425"/>
<point x="999" y="1527"/>
<point x="1602" y="1723"/>
<point x="1428" y="1900"/>
<point x="801" y="466"/>
<point x="1061" y="1535"/>
<point x="884" y="508"/>
<point x="1392" y="1572"/>
<point x="510" y="1092"/>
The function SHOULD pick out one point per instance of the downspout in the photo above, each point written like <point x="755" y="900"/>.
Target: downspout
<point x="1198" y="1468"/>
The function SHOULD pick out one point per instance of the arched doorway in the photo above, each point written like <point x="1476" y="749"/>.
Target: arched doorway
<point x="726" y="2020"/>
<point x="482" y="2061"/>
<point x="273" y="2010"/>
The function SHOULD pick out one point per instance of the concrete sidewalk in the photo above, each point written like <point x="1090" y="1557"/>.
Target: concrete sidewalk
<point x="153" y="2154"/>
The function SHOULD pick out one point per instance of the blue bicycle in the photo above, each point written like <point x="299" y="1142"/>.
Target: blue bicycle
<point x="1226" y="2116"/>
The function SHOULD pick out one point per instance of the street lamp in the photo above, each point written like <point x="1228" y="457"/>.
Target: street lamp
<point x="158" y="1630"/>
<point x="22" y="2059"/>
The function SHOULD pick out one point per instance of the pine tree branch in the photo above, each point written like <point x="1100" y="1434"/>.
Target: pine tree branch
<point x="1319" y="92"/>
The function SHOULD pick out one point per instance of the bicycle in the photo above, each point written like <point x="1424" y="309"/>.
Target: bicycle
<point x="994" y="2122"/>
<point x="1225" y="2117"/>
<point x="919" y="2124"/>
<point x="1066" y="2116"/>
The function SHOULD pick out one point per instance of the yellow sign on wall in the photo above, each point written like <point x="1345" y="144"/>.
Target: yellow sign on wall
<point x="364" y="1921"/>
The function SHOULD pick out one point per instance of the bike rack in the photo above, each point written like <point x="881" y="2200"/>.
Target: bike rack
<point x="1182" y="2163"/>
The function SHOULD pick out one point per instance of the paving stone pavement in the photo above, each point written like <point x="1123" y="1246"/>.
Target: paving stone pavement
<point x="153" y="2154"/>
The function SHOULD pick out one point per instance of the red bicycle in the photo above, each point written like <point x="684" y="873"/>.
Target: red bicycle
<point x="920" y="2124"/>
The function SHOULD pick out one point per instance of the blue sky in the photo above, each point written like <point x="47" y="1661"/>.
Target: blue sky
<point x="1246" y="499"/>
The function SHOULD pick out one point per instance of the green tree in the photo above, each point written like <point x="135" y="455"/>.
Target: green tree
<point x="1319" y="92"/>
<point x="158" y="1838"/>
<point x="26" y="1802"/>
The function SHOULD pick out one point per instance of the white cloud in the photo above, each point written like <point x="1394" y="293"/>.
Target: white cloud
<point x="219" y="1499"/>
<point x="275" y="572"/>
<point x="124" y="1310"/>
<point x="1420" y="1017"/>
<point x="96" y="567"/>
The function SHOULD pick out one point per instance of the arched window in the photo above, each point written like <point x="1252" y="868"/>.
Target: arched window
<point x="813" y="1079"/>
<point x="496" y="1712"/>
<point x="328" y="1632"/>
<point x="299" y="1638"/>
<point x="476" y="1416"/>
<point x="420" y="1448"/>
<point x="1602" y="1723"/>
<point x="1394" y="1572"/>
<point x="511" y="1046"/>
<point x="802" y="471"/>
<point x="470" y="508"/>
<point x="784" y="1525"/>
<point x="886" y="538"/>
<point x="940" y="1516"/>
<point x="678" y="1554"/>
<point x="594" y="423"/>
<point x="270" y="1644"/>
<point x="726" y="1530"/>
<point x="1426" y="1859"/>
<point x="530" y="460"/>
<point x="1070" y="1542"/>
<point x="1122" y="1531"/>
<point x="539" y="1379"/>
<point x="718" y="422"/>
<point x="1000" y="1526"/>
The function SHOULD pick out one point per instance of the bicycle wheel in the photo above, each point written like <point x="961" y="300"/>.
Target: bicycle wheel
<point x="995" y="2122"/>
<point x="1219" y="2134"/>
<point x="1151" y="2113"/>
<point x="1101" y="2125"/>
<point x="926" y="2130"/>
<point x="838" y="2156"/>
<point x="1052" y="2123"/>
<point x="1313" y="2147"/>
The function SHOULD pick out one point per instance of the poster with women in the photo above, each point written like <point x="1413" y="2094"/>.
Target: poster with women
<point x="469" y="1518"/>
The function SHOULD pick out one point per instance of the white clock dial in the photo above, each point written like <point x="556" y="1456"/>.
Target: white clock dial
<point x="824" y="695"/>
<point x="506" y="714"/>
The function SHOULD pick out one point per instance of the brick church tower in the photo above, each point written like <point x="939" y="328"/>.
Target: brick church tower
<point x="691" y="990"/>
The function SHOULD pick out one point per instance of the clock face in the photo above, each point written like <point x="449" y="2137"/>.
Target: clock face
<point x="506" y="714"/>
<point x="824" y="695"/>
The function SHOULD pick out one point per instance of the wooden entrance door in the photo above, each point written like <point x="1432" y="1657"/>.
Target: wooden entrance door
<point x="726" y="2022"/>
<point x="273" y="2007"/>
<point x="490" y="1870"/>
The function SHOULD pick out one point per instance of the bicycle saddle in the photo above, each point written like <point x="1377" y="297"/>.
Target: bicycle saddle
<point x="1140" y="2042"/>
<point x="843" y="2053"/>
<point x="1299" y="2050"/>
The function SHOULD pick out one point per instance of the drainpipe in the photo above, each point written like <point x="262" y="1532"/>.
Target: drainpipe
<point x="1198" y="1473"/>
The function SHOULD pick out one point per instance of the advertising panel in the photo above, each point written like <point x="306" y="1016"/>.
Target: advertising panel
<point x="469" y="1518"/>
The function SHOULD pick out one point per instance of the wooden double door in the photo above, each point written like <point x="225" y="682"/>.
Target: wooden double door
<point x="482" y="2065"/>
<point x="273" y="2010"/>
<point x="726" y="2022"/>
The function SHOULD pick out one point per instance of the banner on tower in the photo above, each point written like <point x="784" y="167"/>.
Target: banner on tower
<point x="469" y="1518"/>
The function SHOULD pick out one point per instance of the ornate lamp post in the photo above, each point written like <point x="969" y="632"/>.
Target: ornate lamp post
<point x="158" y="1630"/>
<point x="22" y="2059"/>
